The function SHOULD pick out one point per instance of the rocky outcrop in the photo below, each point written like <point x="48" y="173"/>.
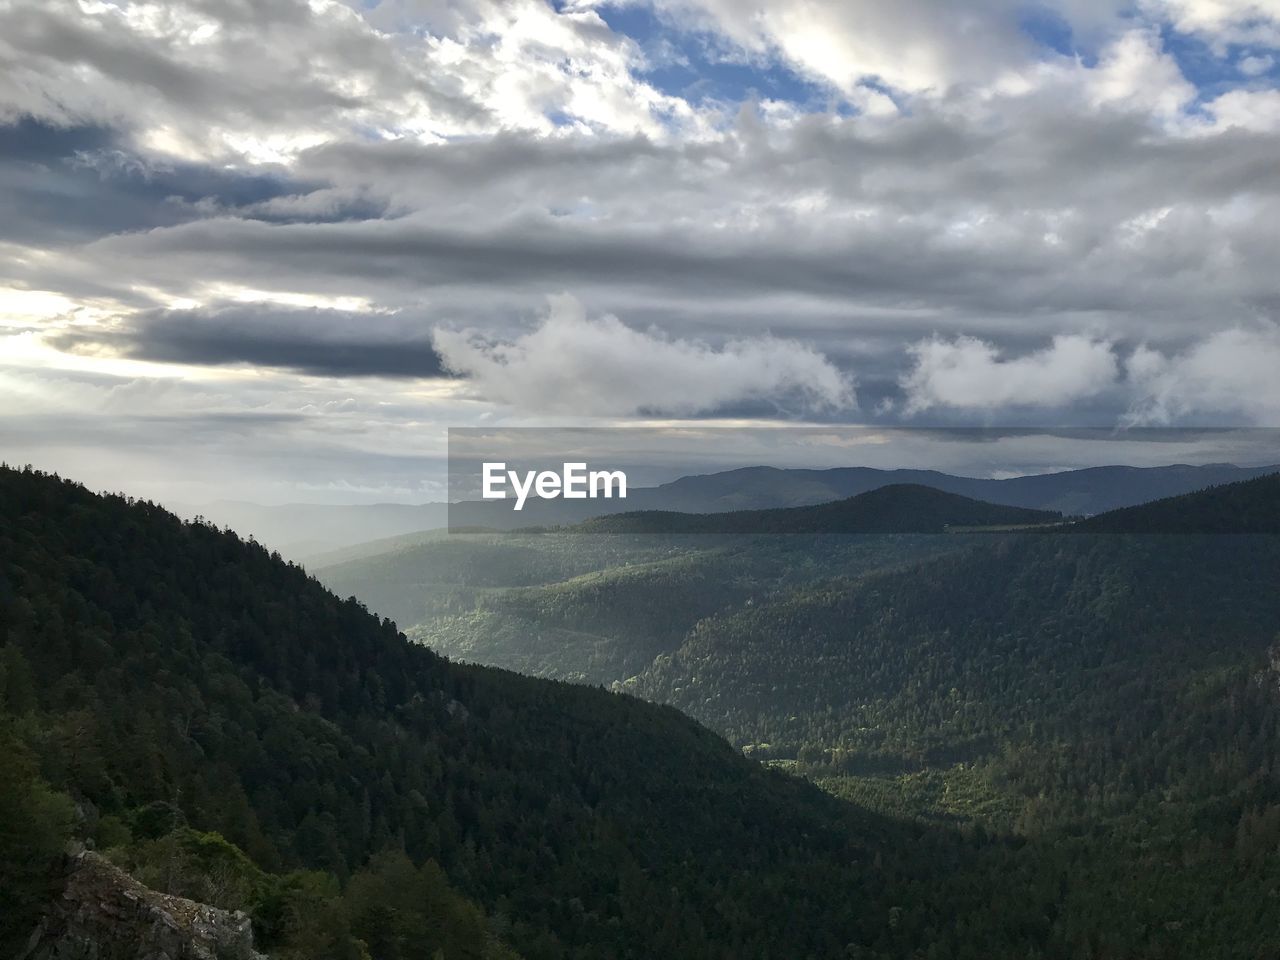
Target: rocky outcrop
<point x="104" y="914"/>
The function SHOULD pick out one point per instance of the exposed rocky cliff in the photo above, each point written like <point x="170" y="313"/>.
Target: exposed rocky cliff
<point x="104" y="914"/>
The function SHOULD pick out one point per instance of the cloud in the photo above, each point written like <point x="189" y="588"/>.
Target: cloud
<point x="1135" y="72"/>
<point x="1254" y="66"/>
<point x="220" y="78"/>
<point x="64" y="184"/>
<point x="323" y="342"/>
<point x="234" y="81"/>
<point x="970" y="374"/>
<point x="572" y="364"/>
<point x="269" y="437"/>
<point x="1222" y="22"/>
<point x="1257" y="110"/>
<point x="1232" y="372"/>
<point x="1033" y="210"/>
<point x="914" y="46"/>
<point x="1027" y="173"/>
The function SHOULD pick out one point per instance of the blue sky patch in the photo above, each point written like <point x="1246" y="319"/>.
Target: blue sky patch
<point x="692" y="65"/>
<point x="1049" y="29"/>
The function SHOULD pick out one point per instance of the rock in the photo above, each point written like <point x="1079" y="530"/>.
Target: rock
<point x="104" y="914"/>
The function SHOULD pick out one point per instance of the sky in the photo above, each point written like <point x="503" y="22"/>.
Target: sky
<point x="274" y="249"/>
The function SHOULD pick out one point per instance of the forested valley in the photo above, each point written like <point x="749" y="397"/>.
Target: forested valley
<point x="1108" y="686"/>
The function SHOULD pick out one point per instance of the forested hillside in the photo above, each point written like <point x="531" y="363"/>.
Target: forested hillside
<point x="1035" y="635"/>
<point x="1245" y="507"/>
<point x="1109" y="687"/>
<point x="595" y="608"/>
<point x="223" y="726"/>
<point x="1115" y="691"/>
<point x="599" y="601"/>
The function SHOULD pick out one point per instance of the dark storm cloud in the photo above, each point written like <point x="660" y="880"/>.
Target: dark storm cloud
<point x="887" y="260"/>
<point x="547" y="253"/>
<point x="30" y="140"/>
<point x="1041" y="154"/>
<point x="996" y="229"/>
<point x="321" y="342"/>
<point x="77" y="183"/>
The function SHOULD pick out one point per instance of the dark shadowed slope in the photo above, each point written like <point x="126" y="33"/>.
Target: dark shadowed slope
<point x="1245" y="507"/>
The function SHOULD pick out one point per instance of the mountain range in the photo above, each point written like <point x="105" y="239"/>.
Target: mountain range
<point x="1111" y="686"/>
<point x="311" y="531"/>
<point x="898" y="508"/>
<point x="1057" y="741"/>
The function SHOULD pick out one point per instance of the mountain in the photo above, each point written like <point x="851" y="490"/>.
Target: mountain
<point x="1107" y="680"/>
<point x="608" y="624"/>
<point x="1060" y="744"/>
<point x="1244" y="507"/>
<point x="228" y="731"/>
<point x="1072" y="492"/>
<point x="1109" y="689"/>
<point x="312" y="531"/>
<point x="1040" y="616"/>
<point x="899" y="508"/>
<point x="598" y="608"/>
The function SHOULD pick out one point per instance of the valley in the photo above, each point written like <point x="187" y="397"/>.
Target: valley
<point x="1108" y="683"/>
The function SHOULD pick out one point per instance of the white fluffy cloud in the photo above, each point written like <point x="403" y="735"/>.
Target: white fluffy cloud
<point x="913" y="45"/>
<point x="971" y="374"/>
<point x="1223" y="21"/>
<point x="1256" y="110"/>
<point x="1233" y="372"/>
<point x="1135" y="72"/>
<point x="572" y="364"/>
<point x="1254" y="66"/>
<point x="1230" y="376"/>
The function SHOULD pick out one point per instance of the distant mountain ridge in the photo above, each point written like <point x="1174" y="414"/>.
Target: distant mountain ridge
<point x="308" y="530"/>
<point x="899" y="508"/>
<point x="1085" y="492"/>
